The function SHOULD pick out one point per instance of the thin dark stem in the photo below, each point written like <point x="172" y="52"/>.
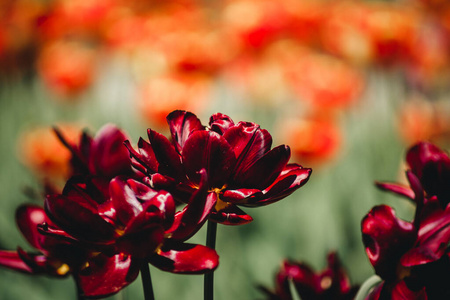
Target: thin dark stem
<point x="211" y="232"/>
<point x="147" y="282"/>
<point x="79" y="292"/>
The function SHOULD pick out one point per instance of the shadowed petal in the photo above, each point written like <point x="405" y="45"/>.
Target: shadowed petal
<point x="386" y="239"/>
<point x="290" y="179"/>
<point x="208" y="150"/>
<point x="182" y="124"/>
<point x="249" y="144"/>
<point x="186" y="259"/>
<point x="188" y="221"/>
<point x="264" y="171"/>
<point x="220" y="123"/>
<point x="231" y="215"/>
<point x="77" y="218"/>
<point x="108" y="156"/>
<point x="166" y="155"/>
<point x="105" y="276"/>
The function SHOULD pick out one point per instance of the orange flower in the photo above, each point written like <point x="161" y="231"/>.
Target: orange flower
<point x="41" y="151"/>
<point x="160" y="96"/>
<point x="314" y="140"/>
<point x="325" y="81"/>
<point x="67" y="68"/>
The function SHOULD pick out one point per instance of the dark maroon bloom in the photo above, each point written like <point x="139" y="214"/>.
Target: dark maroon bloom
<point x="431" y="166"/>
<point x="412" y="258"/>
<point x="103" y="155"/>
<point x="103" y="232"/>
<point x="329" y="284"/>
<point x="241" y="166"/>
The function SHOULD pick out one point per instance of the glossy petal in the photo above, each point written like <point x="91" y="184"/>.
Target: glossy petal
<point x="108" y="156"/>
<point x="144" y="160"/>
<point x="208" y="150"/>
<point x="78" y="219"/>
<point x="12" y="260"/>
<point x="249" y="144"/>
<point x="290" y="179"/>
<point x="220" y="123"/>
<point x="432" y="166"/>
<point x="168" y="158"/>
<point x="105" y="276"/>
<point x="231" y="215"/>
<point x="195" y="213"/>
<point x="395" y="188"/>
<point x="186" y="259"/>
<point x="28" y="217"/>
<point x="402" y="292"/>
<point x="386" y="239"/>
<point x="182" y="124"/>
<point x="265" y="170"/>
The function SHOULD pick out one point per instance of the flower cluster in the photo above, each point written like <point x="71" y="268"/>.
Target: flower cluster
<point x="331" y="283"/>
<point x="115" y="214"/>
<point x="413" y="258"/>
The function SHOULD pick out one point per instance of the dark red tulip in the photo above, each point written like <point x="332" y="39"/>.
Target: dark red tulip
<point x="103" y="232"/>
<point x="242" y="168"/>
<point x="412" y="258"/>
<point x="102" y="155"/>
<point x="329" y="284"/>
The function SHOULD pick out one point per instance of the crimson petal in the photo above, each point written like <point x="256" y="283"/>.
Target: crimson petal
<point x="386" y="239"/>
<point x="28" y="217"/>
<point x="13" y="261"/>
<point x="186" y="259"/>
<point x="265" y="170"/>
<point x="220" y="123"/>
<point x="182" y="124"/>
<point x="195" y="213"/>
<point x="105" y="276"/>
<point x="168" y="158"/>
<point x="293" y="177"/>
<point x="210" y="151"/>
<point x="77" y="218"/>
<point x="231" y="215"/>
<point x="249" y="144"/>
<point x="108" y="156"/>
<point x="395" y="188"/>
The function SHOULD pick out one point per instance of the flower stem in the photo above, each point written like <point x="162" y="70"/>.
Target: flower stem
<point x="367" y="286"/>
<point x="211" y="232"/>
<point x="147" y="282"/>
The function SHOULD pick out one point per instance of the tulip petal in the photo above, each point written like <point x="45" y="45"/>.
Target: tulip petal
<point x="78" y="218"/>
<point x="231" y="215"/>
<point x="108" y="156"/>
<point x="166" y="155"/>
<point x="249" y="144"/>
<point x="182" y="124"/>
<point x="188" y="221"/>
<point x="105" y="276"/>
<point x="265" y="170"/>
<point x="186" y="259"/>
<point x="386" y="239"/>
<point x="395" y="188"/>
<point x="210" y="151"/>
<point x="12" y="260"/>
<point x="290" y="179"/>
<point x="28" y="217"/>
<point x="220" y="123"/>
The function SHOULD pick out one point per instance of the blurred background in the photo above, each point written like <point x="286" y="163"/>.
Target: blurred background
<point x="348" y="85"/>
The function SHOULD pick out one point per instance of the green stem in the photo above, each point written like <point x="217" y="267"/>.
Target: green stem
<point x="367" y="286"/>
<point x="147" y="282"/>
<point x="211" y="232"/>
